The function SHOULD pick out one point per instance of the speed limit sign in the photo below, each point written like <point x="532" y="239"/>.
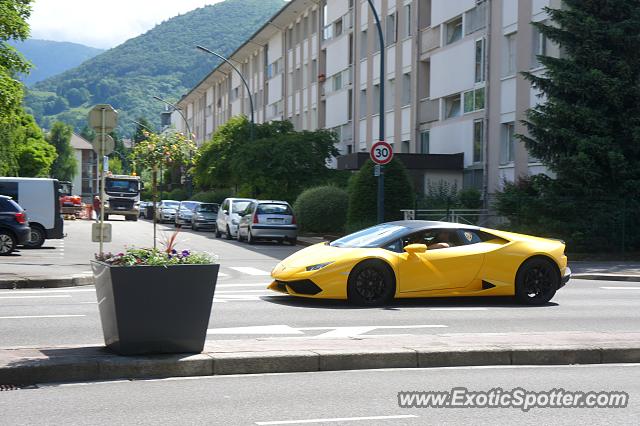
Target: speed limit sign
<point x="381" y="152"/>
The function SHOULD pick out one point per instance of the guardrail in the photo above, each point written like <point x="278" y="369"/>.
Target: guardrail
<point x="469" y="216"/>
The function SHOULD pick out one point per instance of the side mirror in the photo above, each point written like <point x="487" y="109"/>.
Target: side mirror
<point x="415" y="248"/>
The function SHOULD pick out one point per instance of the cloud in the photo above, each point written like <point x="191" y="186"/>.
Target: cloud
<point x="103" y="24"/>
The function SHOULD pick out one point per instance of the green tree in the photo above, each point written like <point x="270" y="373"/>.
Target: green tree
<point x="26" y="152"/>
<point x="322" y="209"/>
<point x="115" y="166"/>
<point x="363" y="194"/>
<point x="65" y="165"/>
<point x="13" y="25"/>
<point x="587" y="131"/>
<point x="142" y="130"/>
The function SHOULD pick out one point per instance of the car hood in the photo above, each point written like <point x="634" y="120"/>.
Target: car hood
<point x="318" y="253"/>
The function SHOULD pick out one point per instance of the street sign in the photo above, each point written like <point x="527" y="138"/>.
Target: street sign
<point x="106" y="232"/>
<point x="381" y="152"/>
<point x="109" y="144"/>
<point x="96" y="118"/>
<point x="376" y="170"/>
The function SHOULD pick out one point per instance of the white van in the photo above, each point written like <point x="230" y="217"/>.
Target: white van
<point x="229" y="218"/>
<point x="41" y="200"/>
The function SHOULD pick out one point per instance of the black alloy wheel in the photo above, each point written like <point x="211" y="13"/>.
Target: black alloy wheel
<point x="371" y="283"/>
<point x="536" y="282"/>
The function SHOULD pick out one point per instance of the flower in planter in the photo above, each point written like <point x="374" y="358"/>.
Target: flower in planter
<point x="154" y="257"/>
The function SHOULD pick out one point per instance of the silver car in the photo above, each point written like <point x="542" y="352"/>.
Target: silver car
<point x="204" y="216"/>
<point x="185" y="212"/>
<point x="268" y="220"/>
<point x="166" y="211"/>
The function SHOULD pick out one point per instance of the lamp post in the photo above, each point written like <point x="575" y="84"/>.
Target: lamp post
<point x="186" y="123"/>
<point x="244" y="81"/>
<point x="381" y="135"/>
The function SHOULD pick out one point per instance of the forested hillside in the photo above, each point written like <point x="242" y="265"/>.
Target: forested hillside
<point x="162" y="62"/>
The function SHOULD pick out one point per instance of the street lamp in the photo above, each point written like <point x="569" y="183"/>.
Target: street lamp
<point x="381" y="135"/>
<point x="244" y="81"/>
<point x="186" y="123"/>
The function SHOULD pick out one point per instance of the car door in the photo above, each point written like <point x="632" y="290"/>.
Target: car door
<point x="245" y="220"/>
<point x="438" y="269"/>
<point x="222" y="216"/>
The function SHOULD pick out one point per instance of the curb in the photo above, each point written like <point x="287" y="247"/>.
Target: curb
<point x="109" y="367"/>
<point x="605" y="277"/>
<point x="71" y="281"/>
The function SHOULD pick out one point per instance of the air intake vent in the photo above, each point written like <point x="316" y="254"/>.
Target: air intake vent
<point x="486" y="285"/>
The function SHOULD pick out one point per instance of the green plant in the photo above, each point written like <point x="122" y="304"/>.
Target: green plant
<point x="322" y="209"/>
<point x="178" y="194"/>
<point x="155" y="257"/>
<point x="216" y="196"/>
<point x="363" y="194"/>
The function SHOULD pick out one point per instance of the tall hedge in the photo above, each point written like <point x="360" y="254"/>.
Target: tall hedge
<point x="322" y="209"/>
<point x="363" y="194"/>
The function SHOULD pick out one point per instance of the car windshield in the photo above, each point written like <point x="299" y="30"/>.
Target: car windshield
<point x="274" y="209"/>
<point x="170" y="204"/>
<point x="370" y="237"/>
<point x="208" y="208"/>
<point x="238" y="206"/>
<point x="121" y="185"/>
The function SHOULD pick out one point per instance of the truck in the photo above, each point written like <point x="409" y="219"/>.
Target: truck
<point x="122" y="196"/>
<point x="70" y="204"/>
<point x="39" y="197"/>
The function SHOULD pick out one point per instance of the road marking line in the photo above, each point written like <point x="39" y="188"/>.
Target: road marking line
<point x="222" y="274"/>
<point x="34" y="297"/>
<point x="265" y="291"/>
<point x="338" y="419"/>
<point x="457" y="309"/>
<point x="621" y="288"/>
<point x="242" y="285"/>
<point x="48" y="291"/>
<point x="250" y="271"/>
<point x="258" y="329"/>
<point x="42" y="316"/>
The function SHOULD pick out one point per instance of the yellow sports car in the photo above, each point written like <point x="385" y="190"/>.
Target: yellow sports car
<point x="425" y="259"/>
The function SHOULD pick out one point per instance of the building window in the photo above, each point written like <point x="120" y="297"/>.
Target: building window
<point x="337" y="82"/>
<point x="305" y="27"/>
<point x="424" y="142"/>
<point x="363" y="44"/>
<point x="289" y="39"/>
<point x="474" y="100"/>
<point x="391" y="29"/>
<point x="314" y="21"/>
<point x="475" y="19"/>
<point x="350" y="105"/>
<point x="376" y="98"/>
<point x="314" y="70"/>
<point x="539" y="47"/>
<point x="452" y="106"/>
<point x="480" y="46"/>
<point x="406" y="28"/>
<point x="406" y="89"/>
<point x="453" y="30"/>
<point x="337" y="28"/>
<point x="478" y="140"/>
<point x="509" y="62"/>
<point x="363" y="103"/>
<point x="507" y="149"/>
<point x="390" y="95"/>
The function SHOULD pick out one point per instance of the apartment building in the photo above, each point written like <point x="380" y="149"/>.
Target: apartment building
<point x="452" y="82"/>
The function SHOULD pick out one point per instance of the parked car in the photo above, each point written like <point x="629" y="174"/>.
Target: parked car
<point x="39" y="197"/>
<point x="268" y="220"/>
<point x="184" y="212"/>
<point x="228" y="216"/>
<point x="14" y="227"/>
<point x="166" y="211"/>
<point x="204" y="216"/>
<point x="143" y="208"/>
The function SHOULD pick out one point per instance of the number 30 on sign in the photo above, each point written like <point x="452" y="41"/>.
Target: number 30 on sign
<point x="381" y="152"/>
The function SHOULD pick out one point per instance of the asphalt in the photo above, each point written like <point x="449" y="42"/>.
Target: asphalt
<point x="23" y="366"/>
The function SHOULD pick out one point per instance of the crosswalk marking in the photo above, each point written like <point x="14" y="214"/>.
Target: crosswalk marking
<point x="621" y="288"/>
<point x="250" y="271"/>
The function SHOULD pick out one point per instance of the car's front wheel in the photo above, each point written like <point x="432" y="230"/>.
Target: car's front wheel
<point x="536" y="281"/>
<point x="371" y="283"/>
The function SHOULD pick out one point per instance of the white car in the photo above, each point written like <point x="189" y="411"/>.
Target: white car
<point x="166" y="211"/>
<point x="229" y="216"/>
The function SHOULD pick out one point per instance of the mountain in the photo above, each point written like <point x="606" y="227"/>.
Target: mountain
<point x="52" y="57"/>
<point x="162" y="62"/>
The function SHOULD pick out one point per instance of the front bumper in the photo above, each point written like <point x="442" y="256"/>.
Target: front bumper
<point x="205" y="223"/>
<point x="566" y="277"/>
<point x="22" y="234"/>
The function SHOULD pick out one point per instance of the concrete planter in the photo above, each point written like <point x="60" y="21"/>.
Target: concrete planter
<point x="155" y="309"/>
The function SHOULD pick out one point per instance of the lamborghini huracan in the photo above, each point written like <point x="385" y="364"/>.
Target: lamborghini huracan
<point x="425" y="259"/>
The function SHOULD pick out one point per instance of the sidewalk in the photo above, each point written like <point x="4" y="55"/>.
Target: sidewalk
<point x="25" y="366"/>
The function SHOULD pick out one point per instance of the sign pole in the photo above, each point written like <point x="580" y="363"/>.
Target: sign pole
<point x="102" y="179"/>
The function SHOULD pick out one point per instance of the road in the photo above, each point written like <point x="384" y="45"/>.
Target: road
<point x="243" y="308"/>
<point x="337" y="398"/>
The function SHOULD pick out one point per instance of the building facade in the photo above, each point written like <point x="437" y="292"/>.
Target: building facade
<point x="452" y="79"/>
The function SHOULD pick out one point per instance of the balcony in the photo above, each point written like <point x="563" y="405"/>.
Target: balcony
<point x="429" y="110"/>
<point x="429" y="39"/>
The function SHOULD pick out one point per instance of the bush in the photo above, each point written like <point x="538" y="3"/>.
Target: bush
<point x="363" y="193"/>
<point x="216" y="196"/>
<point x="178" y="194"/>
<point x="322" y="209"/>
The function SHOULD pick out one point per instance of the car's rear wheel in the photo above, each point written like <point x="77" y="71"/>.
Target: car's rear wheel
<point x="7" y="243"/>
<point x="250" y="238"/>
<point x="36" y="237"/>
<point x="227" y="235"/>
<point x="293" y="241"/>
<point x="536" y="281"/>
<point x="371" y="283"/>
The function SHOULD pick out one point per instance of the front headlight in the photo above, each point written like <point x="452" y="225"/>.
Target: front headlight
<point x="318" y="266"/>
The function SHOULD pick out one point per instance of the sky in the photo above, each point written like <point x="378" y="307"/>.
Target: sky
<point x="103" y="23"/>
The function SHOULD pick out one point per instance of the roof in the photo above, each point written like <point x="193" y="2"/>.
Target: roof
<point x="78" y="142"/>
<point x="426" y="224"/>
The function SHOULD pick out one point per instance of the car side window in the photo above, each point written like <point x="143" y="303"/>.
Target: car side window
<point x="395" y="246"/>
<point x="472" y="236"/>
<point x="430" y="237"/>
